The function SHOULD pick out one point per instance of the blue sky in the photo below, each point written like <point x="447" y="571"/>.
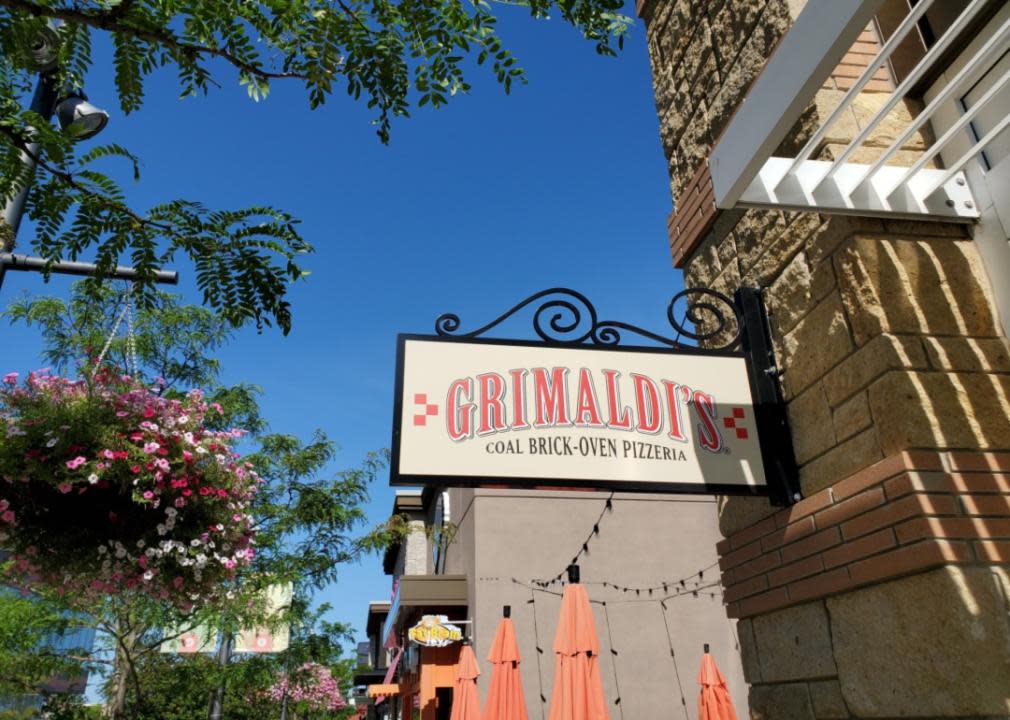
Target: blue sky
<point x="470" y="209"/>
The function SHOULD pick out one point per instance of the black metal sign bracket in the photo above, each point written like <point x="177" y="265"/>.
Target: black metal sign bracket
<point x="777" y="453"/>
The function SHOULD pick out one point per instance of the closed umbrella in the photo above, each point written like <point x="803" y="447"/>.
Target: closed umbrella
<point x="578" y="692"/>
<point x="505" y="697"/>
<point x="465" y="701"/>
<point x="714" y="702"/>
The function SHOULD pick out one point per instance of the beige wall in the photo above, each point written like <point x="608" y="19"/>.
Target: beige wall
<point x="645" y="540"/>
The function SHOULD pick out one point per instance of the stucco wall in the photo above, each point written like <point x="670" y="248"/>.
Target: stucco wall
<point x="645" y="540"/>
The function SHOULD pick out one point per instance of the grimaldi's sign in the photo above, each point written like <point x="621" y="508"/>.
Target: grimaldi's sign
<point x="524" y="414"/>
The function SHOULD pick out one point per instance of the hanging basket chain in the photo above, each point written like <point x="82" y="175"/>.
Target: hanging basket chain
<point x="131" y="342"/>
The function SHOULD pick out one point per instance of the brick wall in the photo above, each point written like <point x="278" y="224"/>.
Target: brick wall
<point x="914" y="511"/>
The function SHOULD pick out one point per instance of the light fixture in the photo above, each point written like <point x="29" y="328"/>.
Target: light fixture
<point x="78" y="118"/>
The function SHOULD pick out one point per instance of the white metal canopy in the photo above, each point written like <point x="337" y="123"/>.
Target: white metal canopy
<point x="745" y="173"/>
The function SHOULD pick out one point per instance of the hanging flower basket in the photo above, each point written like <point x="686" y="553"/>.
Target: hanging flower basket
<point x="106" y="487"/>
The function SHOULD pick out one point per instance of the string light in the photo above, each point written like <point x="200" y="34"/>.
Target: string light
<point x="708" y="590"/>
<point x="673" y="657"/>
<point x="688" y="582"/>
<point x="613" y="660"/>
<point x="608" y="506"/>
<point x="540" y="651"/>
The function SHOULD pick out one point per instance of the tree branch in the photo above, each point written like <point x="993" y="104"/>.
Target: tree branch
<point x="68" y="178"/>
<point x="114" y="21"/>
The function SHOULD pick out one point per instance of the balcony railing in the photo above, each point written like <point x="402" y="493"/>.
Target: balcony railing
<point x="745" y="173"/>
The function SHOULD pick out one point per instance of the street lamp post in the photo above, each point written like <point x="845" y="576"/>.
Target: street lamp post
<point x="81" y="120"/>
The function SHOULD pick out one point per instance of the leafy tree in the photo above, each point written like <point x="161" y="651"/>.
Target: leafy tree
<point x="393" y="54"/>
<point x="27" y="659"/>
<point x="309" y="522"/>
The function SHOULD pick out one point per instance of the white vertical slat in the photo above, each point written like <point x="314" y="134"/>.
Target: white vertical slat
<point x="820" y="37"/>
<point x="898" y="95"/>
<point x="885" y="53"/>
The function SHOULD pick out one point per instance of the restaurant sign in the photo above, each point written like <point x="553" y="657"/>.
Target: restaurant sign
<point x="581" y="409"/>
<point x="435" y="631"/>
<point x="481" y="412"/>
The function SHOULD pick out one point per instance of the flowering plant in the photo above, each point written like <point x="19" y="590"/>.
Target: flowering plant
<point x="106" y="486"/>
<point x="312" y="686"/>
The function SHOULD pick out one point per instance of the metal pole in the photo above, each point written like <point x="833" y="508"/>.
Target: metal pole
<point x="31" y="263"/>
<point x="43" y="103"/>
<point x="217" y="701"/>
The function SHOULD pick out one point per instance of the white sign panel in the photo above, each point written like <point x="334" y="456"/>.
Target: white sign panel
<point x="484" y="412"/>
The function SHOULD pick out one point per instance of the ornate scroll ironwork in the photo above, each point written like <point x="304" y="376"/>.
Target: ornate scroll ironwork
<point x="566" y="317"/>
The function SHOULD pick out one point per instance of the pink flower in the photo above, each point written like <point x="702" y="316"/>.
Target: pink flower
<point x="11" y="378"/>
<point x="180" y="502"/>
<point x="76" y="462"/>
<point x="64" y="487"/>
<point x="148" y="495"/>
<point x="7" y="516"/>
<point x="151" y="447"/>
<point x="108" y="454"/>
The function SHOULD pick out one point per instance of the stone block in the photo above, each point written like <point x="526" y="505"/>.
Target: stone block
<point x="754" y="232"/>
<point x="819" y="341"/>
<point x="782" y="249"/>
<point x="928" y="645"/>
<point x="865" y="105"/>
<point x="692" y="149"/>
<point x="941" y="410"/>
<point x="833" y="231"/>
<point x="732" y="25"/>
<point x="852" y="416"/>
<point x="780" y="702"/>
<point x="846" y="458"/>
<point x="790" y="297"/>
<point x="883" y="353"/>
<point x="826" y="698"/>
<point x="703" y="266"/>
<point x="738" y="69"/>
<point x="748" y="651"/>
<point x="726" y="247"/>
<point x="810" y="423"/>
<point x="924" y="229"/>
<point x="739" y="512"/>
<point x="905" y="285"/>
<point x="971" y="354"/>
<point x="795" y="644"/>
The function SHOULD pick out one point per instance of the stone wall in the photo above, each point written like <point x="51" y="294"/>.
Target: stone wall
<point x="889" y="340"/>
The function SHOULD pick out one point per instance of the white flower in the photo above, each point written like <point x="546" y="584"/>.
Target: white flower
<point x="93" y="478"/>
<point x="194" y="542"/>
<point x="102" y="550"/>
<point x="171" y="512"/>
<point x="51" y="442"/>
<point x="120" y="551"/>
<point x="201" y="450"/>
<point x="141" y="543"/>
<point x="161" y="529"/>
<point x="148" y="575"/>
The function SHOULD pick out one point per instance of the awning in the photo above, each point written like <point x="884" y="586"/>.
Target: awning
<point x="384" y="690"/>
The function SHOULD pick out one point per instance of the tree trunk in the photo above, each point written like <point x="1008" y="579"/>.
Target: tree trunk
<point x="122" y="668"/>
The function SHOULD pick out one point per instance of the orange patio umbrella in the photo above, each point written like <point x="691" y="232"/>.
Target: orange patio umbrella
<point x="505" y="697"/>
<point x="578" y="692"/>
<point x="465" y="700"/>
<point x="714" y="702"/>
